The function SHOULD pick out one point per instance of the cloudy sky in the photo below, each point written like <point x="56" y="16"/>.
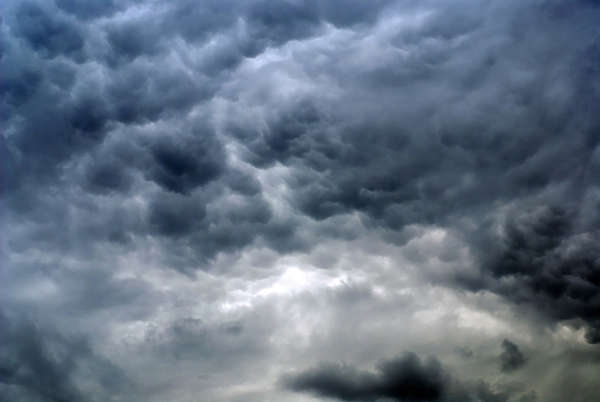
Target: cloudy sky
<point x="320" y="200"/>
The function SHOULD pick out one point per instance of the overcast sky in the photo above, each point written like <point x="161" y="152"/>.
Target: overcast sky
<point x="285" y="200"/>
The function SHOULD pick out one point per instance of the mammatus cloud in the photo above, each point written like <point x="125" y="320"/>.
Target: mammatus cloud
<point x="203" y="192"/>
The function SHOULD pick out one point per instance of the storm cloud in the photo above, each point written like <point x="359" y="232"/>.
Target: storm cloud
<point x="214" y="198"/>
<point x="405" y="378"/>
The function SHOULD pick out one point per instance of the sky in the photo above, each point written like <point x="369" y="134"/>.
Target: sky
<point x="319" y="200"/>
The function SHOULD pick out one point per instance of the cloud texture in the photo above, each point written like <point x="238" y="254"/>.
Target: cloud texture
<point x="255" y="200"/>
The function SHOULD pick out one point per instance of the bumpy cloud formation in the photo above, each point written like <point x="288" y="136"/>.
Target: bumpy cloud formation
<point x="405" y="378"/>
<point x="241" y="176"/>
<point x="474" y="139"/>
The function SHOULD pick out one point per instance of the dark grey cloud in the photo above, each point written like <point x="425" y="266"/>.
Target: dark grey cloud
<point x="180" y="167"/>
<point x="405" y="378"/>
<point x="550" y="260"/>
<point x="511" y="357"/>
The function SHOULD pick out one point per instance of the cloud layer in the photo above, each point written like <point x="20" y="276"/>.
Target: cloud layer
<point x="231" y="196"/>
